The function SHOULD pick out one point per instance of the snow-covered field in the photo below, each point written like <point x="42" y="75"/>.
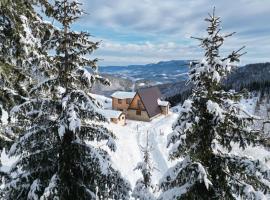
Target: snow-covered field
<point x="134" y="134"/>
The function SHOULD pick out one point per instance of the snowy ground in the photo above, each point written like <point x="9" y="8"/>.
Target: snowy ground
<point x="134" y="134"/>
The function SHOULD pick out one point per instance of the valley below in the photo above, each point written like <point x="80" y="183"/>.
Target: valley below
<point x="171" y="78"/>
<point x="254" y="77"/>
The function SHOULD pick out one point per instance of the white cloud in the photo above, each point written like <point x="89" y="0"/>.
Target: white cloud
<point x="172" y="22"/>
<point x="113" y="53"/>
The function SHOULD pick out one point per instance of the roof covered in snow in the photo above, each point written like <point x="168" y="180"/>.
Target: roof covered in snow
<point x="112" y="113"/>
<point x="123" y="95"/>
<point x="162" y="103"/>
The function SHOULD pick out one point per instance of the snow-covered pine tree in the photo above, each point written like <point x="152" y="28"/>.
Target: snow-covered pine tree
<point x="143" y="189"/>
<point x="22" y="34"/>
<point x="22" y="38"/>
<point x="57" y="119"/>
<point x="210" y="122"/>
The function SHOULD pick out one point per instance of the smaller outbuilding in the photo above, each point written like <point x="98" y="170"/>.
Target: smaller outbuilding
<point x="117" y="117"/>
<point x="164" y="106"/>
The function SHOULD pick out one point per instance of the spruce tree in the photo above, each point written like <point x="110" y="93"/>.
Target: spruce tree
<point x="209" y="123"/>
<point x="59" y="150"/>
<point x="23" y="38"/>
<point x="22" y="34"/>
<point x="143" y="189"/>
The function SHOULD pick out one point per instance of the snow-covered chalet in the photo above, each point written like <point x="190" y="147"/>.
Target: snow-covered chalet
<point x="143" y="105"/>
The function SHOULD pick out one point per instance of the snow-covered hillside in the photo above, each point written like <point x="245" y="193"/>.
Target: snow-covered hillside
<point x="134" y="134"/>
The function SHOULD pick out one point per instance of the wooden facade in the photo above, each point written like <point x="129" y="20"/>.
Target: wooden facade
<point x="137" y="103"/>
<point x="120" y="104"/>
<point x="136" y="110"/>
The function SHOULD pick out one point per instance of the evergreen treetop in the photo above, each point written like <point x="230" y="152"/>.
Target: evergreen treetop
<point x="22" y="35"/>
<point x="210" y="123"/>
<point x="143" y="189"/>
<point x="59" y="153"/>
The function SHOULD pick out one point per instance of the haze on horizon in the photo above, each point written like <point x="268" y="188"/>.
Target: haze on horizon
<point x="148" y="31"/>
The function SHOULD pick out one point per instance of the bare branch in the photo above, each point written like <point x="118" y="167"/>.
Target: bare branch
<point x="229" y="35"/>
<point x="201" y="39"/>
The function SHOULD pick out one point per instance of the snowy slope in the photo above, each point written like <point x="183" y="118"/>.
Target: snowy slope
<point x="254" y="152"/>
<point x="134" y="134"/>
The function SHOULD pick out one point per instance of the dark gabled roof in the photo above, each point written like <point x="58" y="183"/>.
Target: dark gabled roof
<point x="149" y="97"/>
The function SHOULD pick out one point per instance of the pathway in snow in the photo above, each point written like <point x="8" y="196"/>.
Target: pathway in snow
<point x="157" y="157"/>
<point x="153" y="129"/>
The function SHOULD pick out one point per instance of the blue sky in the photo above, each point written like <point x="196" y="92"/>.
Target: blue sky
<point x="147" y="31"/>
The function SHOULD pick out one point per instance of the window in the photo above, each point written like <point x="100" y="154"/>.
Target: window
<point x="138" y="112"/>
<point x="128" y="101"/>
<point x="119" y="101"/>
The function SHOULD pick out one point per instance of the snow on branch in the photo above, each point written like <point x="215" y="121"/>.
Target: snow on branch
<point x="183" y="176"/>
<point x="240" y="170"/>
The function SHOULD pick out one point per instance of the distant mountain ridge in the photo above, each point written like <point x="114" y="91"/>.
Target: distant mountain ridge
<point x="171" y="76"/>
<point x="157" y="73"/>
<point x="253" y="77"/>
<point x="160" y="63"/>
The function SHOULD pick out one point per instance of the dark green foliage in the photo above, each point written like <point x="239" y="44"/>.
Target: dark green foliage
<point x="254" y="77"/>
<point x="179" y="98"/>
<point x="212" y="121"/>
<point x="21" y="36"/>
<point x="61" y="124"/>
